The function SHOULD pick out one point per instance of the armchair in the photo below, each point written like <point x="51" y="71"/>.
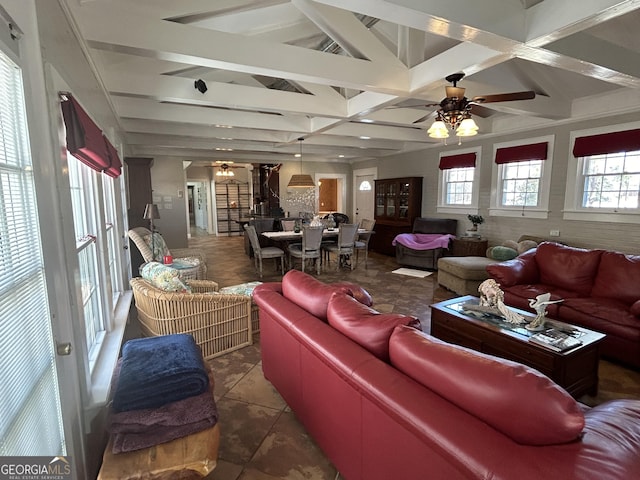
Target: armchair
<point x="139" y="236"/>
<point x="218" y="322"/>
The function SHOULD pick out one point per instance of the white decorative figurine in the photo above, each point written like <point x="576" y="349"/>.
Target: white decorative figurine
<point x="539" y="304"/>
<point x="492" y="296"/>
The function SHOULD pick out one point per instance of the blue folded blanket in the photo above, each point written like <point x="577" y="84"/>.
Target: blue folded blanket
<point x="159" y="370"/>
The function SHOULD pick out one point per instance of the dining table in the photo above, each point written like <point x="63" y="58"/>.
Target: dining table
<point x="283" y="239"/>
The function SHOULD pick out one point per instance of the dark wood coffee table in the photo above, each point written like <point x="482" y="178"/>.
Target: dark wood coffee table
<point x="575" y="370"/>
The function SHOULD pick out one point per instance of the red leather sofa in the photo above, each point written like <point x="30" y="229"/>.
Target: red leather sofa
<point x="384" y="400"/>
<point x="600" y="289"/>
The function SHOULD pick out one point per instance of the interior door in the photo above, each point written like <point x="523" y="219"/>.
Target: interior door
<point x="364" y="195"/>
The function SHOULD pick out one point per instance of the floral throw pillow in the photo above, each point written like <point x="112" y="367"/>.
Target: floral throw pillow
<point x="241" y="289"/>
<point x="157" y="246"/>
<point x="163" y="277"/>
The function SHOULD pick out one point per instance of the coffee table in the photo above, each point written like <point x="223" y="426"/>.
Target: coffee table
<point x="576" y="370"/>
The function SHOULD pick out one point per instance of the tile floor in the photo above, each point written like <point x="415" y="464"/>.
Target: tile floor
<point x="261" y="438"/>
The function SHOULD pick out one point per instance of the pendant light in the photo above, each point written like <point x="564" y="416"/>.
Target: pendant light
<point x="301" y="180"/>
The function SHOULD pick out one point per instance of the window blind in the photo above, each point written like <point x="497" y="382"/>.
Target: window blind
<point x="625" y="141"/>
<point x="30" y="413"/>
<point x="463" y="160"/>
<point x="522" y="153"/>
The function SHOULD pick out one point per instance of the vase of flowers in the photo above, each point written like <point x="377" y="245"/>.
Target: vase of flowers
<point x="475" y="221"/>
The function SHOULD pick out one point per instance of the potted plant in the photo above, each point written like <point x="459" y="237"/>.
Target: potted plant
<point x="475" y="221"/>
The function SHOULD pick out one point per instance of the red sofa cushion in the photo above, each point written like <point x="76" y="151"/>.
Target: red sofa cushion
<point x="570" y="268"/>
<point x="618" y="277"/>
<point x="313" y="295"/>
<point x="517" y="400"/>
<point x="522" y="269"/>
<point x="365" y="326"/>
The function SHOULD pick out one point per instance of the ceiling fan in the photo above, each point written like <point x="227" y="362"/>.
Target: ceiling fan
<point x="455" y="109"/>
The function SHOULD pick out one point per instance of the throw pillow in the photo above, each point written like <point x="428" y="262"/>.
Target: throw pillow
<point x="164" y="277"/>
<point x="156" y="244"/>
<point x="241" y="289"/>
<point x="515" y="399"/>
<point x="501" y="253"/>
<point x="364" y="325"/>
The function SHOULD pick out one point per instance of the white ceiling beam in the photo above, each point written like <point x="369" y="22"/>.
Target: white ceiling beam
<point x="182" y="90"/>
<point x="401" y="134"/>
<point x="347" y="31"/>
<point x="142" y="36"/>
<point x="551" y="20"/>
<point x="459" y="19"/>
<point x="150" y="110"/>
<point x="205" y="131"/>
<point x="598" y="52"/>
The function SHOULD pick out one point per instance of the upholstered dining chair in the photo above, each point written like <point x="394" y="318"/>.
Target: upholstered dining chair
<point x="309" y="248"/>
<point x="345" y="246"/>
<point x="288" y="224"/>
<point x="362" y="242"/>
<point x="142" y="239"/>
<point x="260" y="252"/>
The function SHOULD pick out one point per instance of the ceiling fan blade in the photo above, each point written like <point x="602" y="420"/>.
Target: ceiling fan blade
<point x="422" y="119"/>
<point x="480" y="111"/>
<point x="505" y="97"/>
<point x="420" y="105"/>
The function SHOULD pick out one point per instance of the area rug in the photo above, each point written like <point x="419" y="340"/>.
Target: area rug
<point x="411" y="272"/>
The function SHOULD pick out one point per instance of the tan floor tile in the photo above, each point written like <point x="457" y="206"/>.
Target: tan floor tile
<point x="254" y="388"/>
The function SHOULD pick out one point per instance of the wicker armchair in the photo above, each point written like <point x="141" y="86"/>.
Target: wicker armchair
<point x="219" y="323"/>
<point x="137" y="234"/>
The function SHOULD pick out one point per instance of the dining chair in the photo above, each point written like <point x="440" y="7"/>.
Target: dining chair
<point x="288" y="225"/>
<point x="309" y="248"/>
<point x="260" y="253"/>
<point x="345" y="245"/>
<point x="362" y="242"/>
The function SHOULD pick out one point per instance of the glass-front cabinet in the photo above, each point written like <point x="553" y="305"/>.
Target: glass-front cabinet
<point x="398" y="203"/>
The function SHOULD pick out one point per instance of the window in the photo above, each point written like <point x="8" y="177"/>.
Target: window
<point x="82" y="180"/>
<point x="365" y="186"/>
<point x="611" y="181"/>
<point x="605" y="185"/>
<point x="29" y="397"/>
<point x="458" y="185"/>
<point x="522" y="178"/>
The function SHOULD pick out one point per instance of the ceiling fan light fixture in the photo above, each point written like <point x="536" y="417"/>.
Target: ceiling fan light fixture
<point x="438" y="130"/>
<point x="301" y="180"/>
<point x="225" y="171"/>
<point x="467" y="128"/>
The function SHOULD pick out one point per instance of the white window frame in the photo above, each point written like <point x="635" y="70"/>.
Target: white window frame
<point x="496" y="208"/>
<point x="473" y="207"/>
<point x="573" y="209"/>
<point x="97" y="365"/>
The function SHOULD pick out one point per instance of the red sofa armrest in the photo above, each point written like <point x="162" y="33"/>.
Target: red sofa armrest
<point x="635" y="308"/>
<point x="521" y="270"/>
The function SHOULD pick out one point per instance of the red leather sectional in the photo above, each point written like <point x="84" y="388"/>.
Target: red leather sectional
<point x="600" y="289"/>
<point x="386" y="401"/>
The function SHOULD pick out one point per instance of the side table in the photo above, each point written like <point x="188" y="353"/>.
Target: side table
<point x="469" y="247"/>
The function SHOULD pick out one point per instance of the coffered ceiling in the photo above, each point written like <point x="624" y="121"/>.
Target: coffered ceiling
<point x="349" y="76"/>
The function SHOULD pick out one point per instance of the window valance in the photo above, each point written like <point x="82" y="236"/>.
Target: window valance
<point x="522" y="153"/>
<point x="625" y="141"/>
<point x="85" y="140"/>
<point x="463" y="160"/>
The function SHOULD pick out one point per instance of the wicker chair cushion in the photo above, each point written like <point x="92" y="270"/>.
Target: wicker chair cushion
<point x="163" y="277"/>
<point x="241" y="289"/>
<point x="157" y="245"/>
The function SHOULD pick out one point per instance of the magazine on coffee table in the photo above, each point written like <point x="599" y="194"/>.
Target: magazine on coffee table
<point x="555" y="340"/>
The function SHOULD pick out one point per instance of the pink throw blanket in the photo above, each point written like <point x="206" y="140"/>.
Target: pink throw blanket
<point x="143" y="428"/>
<point x="423" y="241"/>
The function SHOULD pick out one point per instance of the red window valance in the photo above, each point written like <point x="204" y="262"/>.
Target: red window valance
<point x="115" y="167"/>
<point x="85" y="140"/>
<point x="522" y="153"/>
<point x="462" y="160"/>
<point x="625" y="141"/>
